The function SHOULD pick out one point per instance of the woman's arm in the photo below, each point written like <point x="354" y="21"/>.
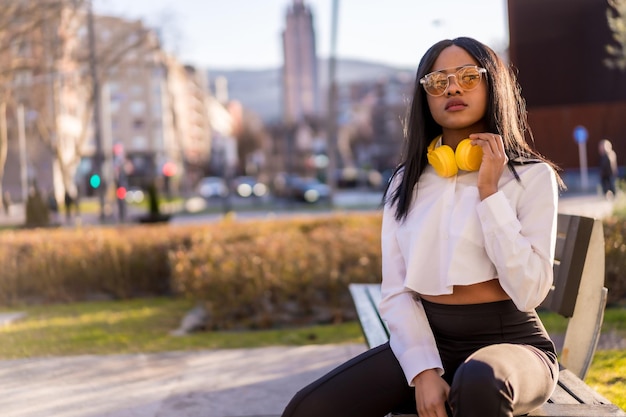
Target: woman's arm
<point x="520" y="240"/>
<point x="411" y="338"/>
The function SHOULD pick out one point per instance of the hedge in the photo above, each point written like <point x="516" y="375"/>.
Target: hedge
<point x="248" y="274"/>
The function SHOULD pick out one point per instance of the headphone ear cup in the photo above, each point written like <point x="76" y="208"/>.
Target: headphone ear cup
<point x="443" y="161"/>
<point x="468" y="157"/>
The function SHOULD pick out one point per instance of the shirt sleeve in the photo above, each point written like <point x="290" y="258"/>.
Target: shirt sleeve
<point x="520" y="237"/>
<point x="411" y="338"/>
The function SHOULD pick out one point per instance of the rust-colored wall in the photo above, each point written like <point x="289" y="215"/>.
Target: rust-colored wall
<point x="553" y="129"/>
<point x="558" y="47"/>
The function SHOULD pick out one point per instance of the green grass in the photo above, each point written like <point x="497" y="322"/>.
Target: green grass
<point x="143" y="325"/>
<point x="614" y="320"/>
<point x="607" y="375"/>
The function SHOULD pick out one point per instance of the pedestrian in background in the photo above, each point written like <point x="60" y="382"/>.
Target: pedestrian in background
<point x="608" y="168"/>
<point x="6" y="202"/>
<point x="53" y="206"/>
<point x="69" y="202"/>
<point x="468" y="237"/>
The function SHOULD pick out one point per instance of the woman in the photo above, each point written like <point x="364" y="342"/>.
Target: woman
<point x="467" y="245"/>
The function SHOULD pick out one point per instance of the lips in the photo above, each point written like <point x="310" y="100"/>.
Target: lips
<point x="455" y="104"/>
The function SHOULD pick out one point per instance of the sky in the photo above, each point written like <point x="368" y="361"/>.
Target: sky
<point x="246" y="34"/>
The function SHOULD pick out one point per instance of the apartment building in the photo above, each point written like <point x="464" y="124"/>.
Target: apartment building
<point x="132" y="75"/>
<point x="153" y="111"/>
<point x="188" y="95"/>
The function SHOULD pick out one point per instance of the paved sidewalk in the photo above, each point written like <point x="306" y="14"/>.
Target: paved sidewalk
<point x="590" y="205"/>
<point x="212" y="383"/>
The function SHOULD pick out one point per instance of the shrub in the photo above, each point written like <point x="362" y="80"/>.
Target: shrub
<point x="615" y="264"/>
<point x="37" y="212"/>
<point x="264" y="274"/>
<point x="61" y="265"/>
<point x="248" y="274"/>
<point x="252" y="274"/>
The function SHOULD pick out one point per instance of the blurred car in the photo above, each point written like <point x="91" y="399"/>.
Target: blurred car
<point x="310" y="190"/>
<point x="248" y="186"/>
<point x="351" y="177"/>
<point x="212" y="187"/>
<point x="134" y="195"/>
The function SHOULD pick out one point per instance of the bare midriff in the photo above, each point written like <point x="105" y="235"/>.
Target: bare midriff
<point x="483" y="292"/>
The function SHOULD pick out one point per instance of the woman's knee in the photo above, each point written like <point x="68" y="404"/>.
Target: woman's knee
<point x="503" y="379"/>
<point x="476" y="390"/>
<point x="477" y="377"/>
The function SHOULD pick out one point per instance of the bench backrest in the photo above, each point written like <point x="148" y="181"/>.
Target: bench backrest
<point x="579" y="292"/>
<point x="573" y="235"/>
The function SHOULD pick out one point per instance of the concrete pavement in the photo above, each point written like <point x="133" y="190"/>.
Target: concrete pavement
<point x="590" y="205"/>
<point x="212" y="383"/>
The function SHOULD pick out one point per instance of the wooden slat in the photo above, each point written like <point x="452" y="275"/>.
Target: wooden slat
<point x="566" y="410"/>
<point x="578" y="410"/>
<point x="578" y="389"/>
<point x="573" y="235"/>
<point x="373" y="329"/>
<point x="562" y="396"/>
<point x="374" y="292"/>
<point x="583" y="329"/>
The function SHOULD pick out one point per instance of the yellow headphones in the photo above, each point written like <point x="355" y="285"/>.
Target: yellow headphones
<point x="447" y="162"/>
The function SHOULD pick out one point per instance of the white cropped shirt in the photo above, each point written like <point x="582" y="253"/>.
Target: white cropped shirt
<point x="451" y="238"/>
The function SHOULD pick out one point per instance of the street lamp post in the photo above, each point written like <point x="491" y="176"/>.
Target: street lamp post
<point x="22" y="147"/>
<point x="99" y="155"/>
<point x="332" y="105"/>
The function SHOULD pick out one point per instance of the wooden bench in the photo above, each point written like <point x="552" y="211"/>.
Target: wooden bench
<point x="578" y="293"/>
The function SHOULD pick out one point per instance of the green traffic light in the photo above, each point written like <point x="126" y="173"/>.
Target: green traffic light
<point x="95" y="181"/>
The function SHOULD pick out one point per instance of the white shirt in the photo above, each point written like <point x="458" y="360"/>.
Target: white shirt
<point x="450" y="237"/>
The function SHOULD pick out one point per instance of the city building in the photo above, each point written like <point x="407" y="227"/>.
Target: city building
<point x="301" y="95"/>
<point x="154" y="113"/>
<point x="371" y="124"/>
<point x="189" y="123"/>
<point x="134" y="91"/>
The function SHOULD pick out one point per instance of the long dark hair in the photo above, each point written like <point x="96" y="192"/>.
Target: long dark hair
<point x="505" y="115"/>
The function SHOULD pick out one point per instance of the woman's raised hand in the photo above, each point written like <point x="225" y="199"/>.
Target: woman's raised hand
<point x="494" y="161"/>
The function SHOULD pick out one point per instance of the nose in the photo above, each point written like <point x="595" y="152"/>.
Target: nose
<point x="453" y="87"/>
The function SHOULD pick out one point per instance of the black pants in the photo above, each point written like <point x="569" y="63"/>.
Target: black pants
<point x="608" y="184"/>
<point x="498" y="361"/>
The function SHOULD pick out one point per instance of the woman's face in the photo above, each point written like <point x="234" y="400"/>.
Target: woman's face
<point x="458" y="109"/>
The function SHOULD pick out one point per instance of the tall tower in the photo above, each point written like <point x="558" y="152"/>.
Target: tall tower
<point x="300" y="83"/>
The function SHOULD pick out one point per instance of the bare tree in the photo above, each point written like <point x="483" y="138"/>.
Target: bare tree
<point x="251" y="139"/>
<point x="3" y="142"/>
<point x="14" y="27"/>
<point x="616" y="18"/>
<point x="47" y="57"/>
